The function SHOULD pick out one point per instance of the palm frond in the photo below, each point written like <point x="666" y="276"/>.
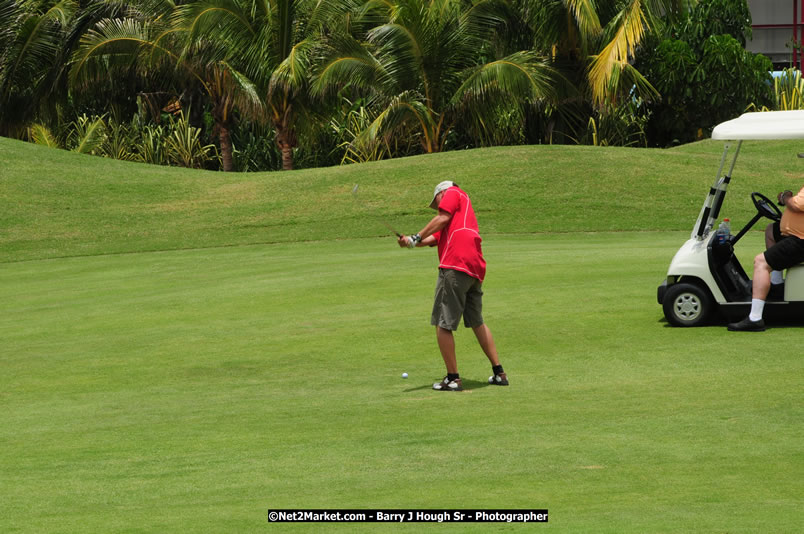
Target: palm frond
<point x="347" y="62"/>
<point x="522" y="76"/>
<point x="406" y="109"/>
<point x="629" y="28"/>
<point x="9" y="12"/>
<point x="32" y="43"/>
<point x="36" y="37"/>
<point x="626" y="82"/>
<point x="482" y="18"/>
<point x="115" y="44"/>
<point x="294" y="71"/>
<point x="331" y="16"/>
<point x="246" y="96"/>
<point x="87" y="134"/>
<point x="41" y="135"/>
<point x="585" y="15"/>
<point x="225" y="19"/>
<point x="401" y="53"/>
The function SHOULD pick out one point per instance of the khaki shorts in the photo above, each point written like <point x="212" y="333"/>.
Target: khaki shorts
<point x="457" y="294"/>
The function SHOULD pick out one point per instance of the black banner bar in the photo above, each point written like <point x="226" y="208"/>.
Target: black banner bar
<point x="406" y="516"/>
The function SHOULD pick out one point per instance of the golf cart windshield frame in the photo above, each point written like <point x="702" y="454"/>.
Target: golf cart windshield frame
<point x="714" y="200"/>
<point x="767" y="125"/>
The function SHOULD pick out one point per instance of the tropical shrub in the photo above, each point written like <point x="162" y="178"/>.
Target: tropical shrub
<point x="149" y="142"/>
<point x="255" y="148"/>
<point x="118" y="142"/>
<point x="788" y="90"/>
<point x="622" y="125"/>
<point x="704" y="77"/>
<point x="183" y="145"/>
<point x="348" y="127"/>
<point x="427" y="65"/>
<point x="85" y="135"/>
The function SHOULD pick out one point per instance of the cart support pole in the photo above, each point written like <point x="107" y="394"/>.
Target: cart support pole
<point x="733" y="161"/>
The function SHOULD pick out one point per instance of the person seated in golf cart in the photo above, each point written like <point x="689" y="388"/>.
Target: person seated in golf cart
<point x="785" y="248"/>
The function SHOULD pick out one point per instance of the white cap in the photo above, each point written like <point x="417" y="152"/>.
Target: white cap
<point x="443" y="186"/>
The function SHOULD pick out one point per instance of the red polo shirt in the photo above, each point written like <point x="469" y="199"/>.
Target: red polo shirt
<point x="459" y="242"/>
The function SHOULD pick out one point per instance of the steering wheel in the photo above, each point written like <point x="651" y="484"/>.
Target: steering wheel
<point x="765" y="207"/>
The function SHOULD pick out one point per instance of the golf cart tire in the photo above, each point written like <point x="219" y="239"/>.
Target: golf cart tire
<point x="687" y="305"/>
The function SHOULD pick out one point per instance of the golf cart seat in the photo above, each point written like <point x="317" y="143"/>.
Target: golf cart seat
<point x="794" y="283"/>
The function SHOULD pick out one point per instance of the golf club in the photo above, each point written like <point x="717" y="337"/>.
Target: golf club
<point x="383" y="221"/>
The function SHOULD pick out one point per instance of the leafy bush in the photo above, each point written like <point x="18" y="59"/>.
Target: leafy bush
<point x="118" y="142"/>
<point x="150" y="144"/>
<point x="255" y="149"/>
<point x="42" y="135"/>
<point x="703" y="72"/>
<point x="85" y="135"/>
<point x="177" y="143"/>
<point x="349" y="127"/>
<point x="788" y="92"/>
<point x="622" y="125"/>
<point x="183" y="144"/>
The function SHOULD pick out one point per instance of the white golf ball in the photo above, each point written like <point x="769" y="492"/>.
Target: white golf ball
<point x="404" y="375"/>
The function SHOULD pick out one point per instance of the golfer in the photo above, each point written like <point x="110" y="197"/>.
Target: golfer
<point x="785" y="247"/>
<point x="461" y="272"/>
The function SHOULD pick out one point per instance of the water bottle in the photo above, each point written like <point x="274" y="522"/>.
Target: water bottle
<point x="723" y="232"/>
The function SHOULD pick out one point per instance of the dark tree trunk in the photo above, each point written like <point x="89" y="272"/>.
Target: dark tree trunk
<point x="286" y="141"/>
<point x="226" y="148"/>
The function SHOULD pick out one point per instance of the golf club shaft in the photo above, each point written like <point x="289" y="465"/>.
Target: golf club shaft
<point x="389" y="226"/>
<point x="382" y="220"/>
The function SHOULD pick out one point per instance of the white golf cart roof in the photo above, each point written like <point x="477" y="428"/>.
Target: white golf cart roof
<point x="762" y="126"/>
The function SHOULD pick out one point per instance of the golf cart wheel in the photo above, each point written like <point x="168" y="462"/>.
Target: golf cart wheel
<point x="687" y="305"/>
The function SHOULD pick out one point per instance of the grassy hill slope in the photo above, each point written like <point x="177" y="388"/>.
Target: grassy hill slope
<point x="57" y="203"/>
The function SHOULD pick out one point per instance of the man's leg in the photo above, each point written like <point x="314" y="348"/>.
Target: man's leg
<point x="777" y="277"/>
<point x="486" y="341"/>
<point x="446" y="344"/>
<point x="447" y="311"/>
<point x="762" y="278"/>
<point x="760" y="286"/>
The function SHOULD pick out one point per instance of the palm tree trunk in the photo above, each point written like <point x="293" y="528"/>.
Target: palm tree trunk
<point x="286" y="141"/>
<point x="225" y="139"/>
<point x="287" y="158"/>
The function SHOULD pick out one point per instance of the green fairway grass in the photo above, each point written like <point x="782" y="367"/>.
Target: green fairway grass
<point x="182" y="351"/>
<point x="194" y="390"/>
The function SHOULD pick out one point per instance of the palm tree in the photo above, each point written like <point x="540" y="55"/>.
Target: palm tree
<point x="272" y="44"/>
<point x="600" y="37"/>
<point x="37" y="40"/>
<point x="145" y="38"/>
<point x="30" y="41"/>
<point x="424" y="59"/>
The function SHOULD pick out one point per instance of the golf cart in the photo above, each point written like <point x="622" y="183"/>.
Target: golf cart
<point x="705" y="276"/>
